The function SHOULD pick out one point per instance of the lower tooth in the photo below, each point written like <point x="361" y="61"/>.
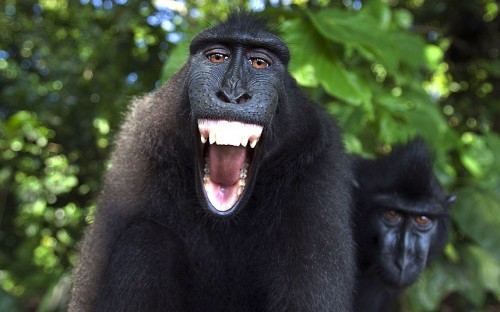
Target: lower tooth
<point x="243" y="173"/>
<point x="243" y="176"/>
<point x="206" y="168"/>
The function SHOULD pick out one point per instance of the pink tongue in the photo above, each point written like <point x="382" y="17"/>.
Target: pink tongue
<point x="225" y="163"/>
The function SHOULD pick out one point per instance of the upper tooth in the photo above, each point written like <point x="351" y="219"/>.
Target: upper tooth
<point x="244" y="141"/>
<point x="225" y="132"/>
<point x="212" y="137"/>
<point x="254" y="143"/>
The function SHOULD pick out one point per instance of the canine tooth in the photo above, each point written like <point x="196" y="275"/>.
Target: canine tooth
<point x="203" y="139"/>
<point x="254" y="143"/>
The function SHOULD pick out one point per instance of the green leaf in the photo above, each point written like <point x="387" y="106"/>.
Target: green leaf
<point x="492" y="141"/>
<point x="315" y="62"/>
<point x="379" y="10"/>
<point x="403" y="18"/>
<point x="178" y="56"/>
<point x="409" y="48"/>
<point x="371" y="38"/>
<point x="427" y="119"/>
<point x="477" y="214"/>
<point x="433" y="56"/>
<point x="476" y="156"/>
<point x="352" y="144"/>
<point x="8" y="302"/>
<point x="434" y="283"/>
<point x="392" y="103"/>
<point x="352" y="119"/>
<point x="306" y="76"/>
<point x="358" y="31"/>
<point x="487" y="269"/>
<point x="57" y="296"/>
<point x="472" y="274"/>
<point x="337" y="81"/>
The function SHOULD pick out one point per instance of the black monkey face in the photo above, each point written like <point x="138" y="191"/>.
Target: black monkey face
<point x="235" y="84"/>
<point x="405" y="241"/>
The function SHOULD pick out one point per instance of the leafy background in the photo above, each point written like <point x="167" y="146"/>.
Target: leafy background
<point x="387" y="70"/>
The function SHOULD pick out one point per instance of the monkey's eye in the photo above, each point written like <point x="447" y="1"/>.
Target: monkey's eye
<point x="422" y="220"/>
<point x="423" y="223"/>
<point x="217" y="57"/>
<point x="258" y="63"/>
<point x="392" y="216"/>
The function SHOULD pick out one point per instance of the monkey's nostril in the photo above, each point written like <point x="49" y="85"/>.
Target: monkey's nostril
<point x="227" y="98"/>
<point x="243" y="98"/>
<point x="223" y="97"/>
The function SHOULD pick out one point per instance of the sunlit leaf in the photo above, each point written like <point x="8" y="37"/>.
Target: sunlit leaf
<point x="314" y="62"/>
<point x="403" y="18"/>
<point x="357" y="31"/>
<point x="378" y="10"/>
<point x="433" y="55"/>
<point x="476" y="156"/>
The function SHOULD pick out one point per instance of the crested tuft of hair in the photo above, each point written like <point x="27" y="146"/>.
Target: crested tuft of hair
<point x="407" y="171"/>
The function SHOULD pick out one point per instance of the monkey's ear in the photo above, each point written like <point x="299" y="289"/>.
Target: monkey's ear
<point x="450" y="199"/>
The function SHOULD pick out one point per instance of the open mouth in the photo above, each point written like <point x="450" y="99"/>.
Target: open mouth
<point x="228" y="148"/>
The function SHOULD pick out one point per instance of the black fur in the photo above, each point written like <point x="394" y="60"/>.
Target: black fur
<point x="156" y="243"/>
<point x="393" y="252"/>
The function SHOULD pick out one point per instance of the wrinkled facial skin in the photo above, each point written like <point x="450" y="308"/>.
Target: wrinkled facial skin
<point x="405" y="241"/>
<point x="232" y="82"/>
<point x="235" y="84"/>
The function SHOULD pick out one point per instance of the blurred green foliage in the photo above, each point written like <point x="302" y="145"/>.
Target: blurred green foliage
<point x="36" y="175"/>
<point x="387" y="70"/>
